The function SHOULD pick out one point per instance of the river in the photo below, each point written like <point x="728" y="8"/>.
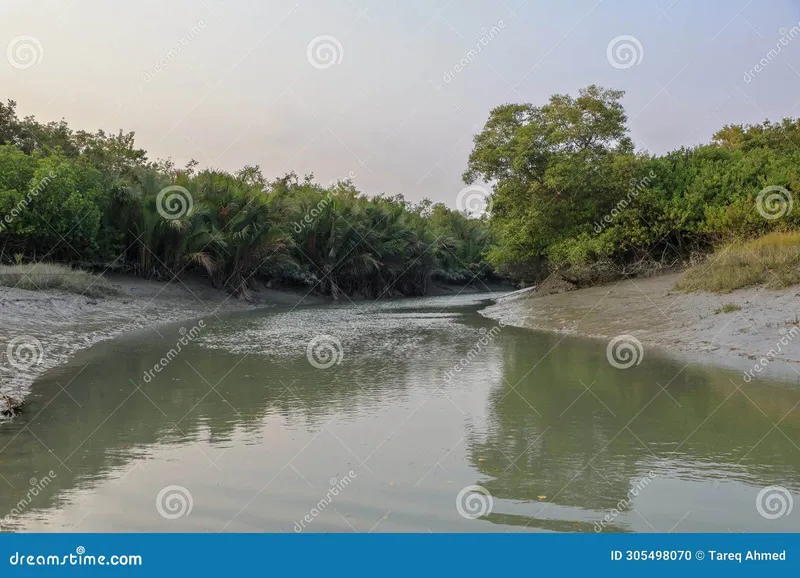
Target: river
<point x="239" y="431"/>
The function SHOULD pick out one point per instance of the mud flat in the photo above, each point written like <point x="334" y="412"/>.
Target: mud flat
<point x="42" y="329"/>
<point x="736" y="329"/>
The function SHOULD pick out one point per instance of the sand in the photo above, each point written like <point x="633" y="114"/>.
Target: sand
<point x="658" y="316"/>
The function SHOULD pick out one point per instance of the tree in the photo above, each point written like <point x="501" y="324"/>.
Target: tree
<point x="553" y="171"/>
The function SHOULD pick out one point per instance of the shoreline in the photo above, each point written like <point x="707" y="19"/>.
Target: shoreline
<point x="45" y="329"/>
<point x="759" y="327"/>
<point x="56" y="324"/>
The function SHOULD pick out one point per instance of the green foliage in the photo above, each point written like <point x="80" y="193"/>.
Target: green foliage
<point x="570" y="193"/>
<point x="81" y="197"/>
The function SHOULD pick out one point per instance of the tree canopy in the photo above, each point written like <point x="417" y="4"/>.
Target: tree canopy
<point x="94" y="199"/>
<point x="570" y="193"/>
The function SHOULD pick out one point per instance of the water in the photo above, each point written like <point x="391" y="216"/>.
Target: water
<point x="242" y="428"/>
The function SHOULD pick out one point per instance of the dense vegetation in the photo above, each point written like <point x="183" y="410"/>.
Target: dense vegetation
<point x="571" y="195"/>
<point x="94" y="200"/>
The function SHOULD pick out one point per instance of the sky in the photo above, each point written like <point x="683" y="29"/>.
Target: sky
<point x="389" y="93"/>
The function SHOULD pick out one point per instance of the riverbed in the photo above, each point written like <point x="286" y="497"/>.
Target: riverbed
<point x="412" y="415"/>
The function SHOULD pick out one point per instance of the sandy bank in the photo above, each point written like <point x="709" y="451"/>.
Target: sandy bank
<point x="657" y="315"/>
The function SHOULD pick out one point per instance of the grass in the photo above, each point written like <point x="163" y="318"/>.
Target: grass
<point x="772" y="260"/>
<point x="728" y="308"/>
<point x="40" y="276"/>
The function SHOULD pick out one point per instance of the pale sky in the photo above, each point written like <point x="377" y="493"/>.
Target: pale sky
<point x="241" y="90"/>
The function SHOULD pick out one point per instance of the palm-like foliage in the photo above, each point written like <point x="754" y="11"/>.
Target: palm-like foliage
<point x="98" y="199"/>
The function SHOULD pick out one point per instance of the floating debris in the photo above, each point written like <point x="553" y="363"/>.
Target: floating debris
<point x="10" y="406"/>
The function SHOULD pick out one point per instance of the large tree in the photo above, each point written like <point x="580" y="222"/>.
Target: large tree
<point x="554" y="168"/>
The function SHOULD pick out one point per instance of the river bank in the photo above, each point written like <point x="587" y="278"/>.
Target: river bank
<point x="737" y="329"/>
<point x="40" y="330"/>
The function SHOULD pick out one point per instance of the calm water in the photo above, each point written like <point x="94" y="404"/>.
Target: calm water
<point x="256" y="436"/>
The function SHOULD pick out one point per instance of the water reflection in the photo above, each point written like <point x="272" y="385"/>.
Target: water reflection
<point x="584" y="434"/>
<point x="557" y="435"/>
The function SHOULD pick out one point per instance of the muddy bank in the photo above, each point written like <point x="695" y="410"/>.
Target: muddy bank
<point x="737" y="329"/>
<point x="42" y="329"/>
